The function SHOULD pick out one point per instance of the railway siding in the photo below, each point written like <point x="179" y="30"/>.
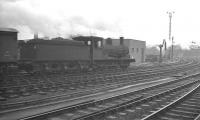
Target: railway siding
<point x="122" y="76"/>
<point x="124" y="103"/>
<point x="59" y="105"/>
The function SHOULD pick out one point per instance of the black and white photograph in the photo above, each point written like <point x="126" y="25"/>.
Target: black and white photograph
<point x="99" y="60"/>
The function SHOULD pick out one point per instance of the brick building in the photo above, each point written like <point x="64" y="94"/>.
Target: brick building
<point x="136" y="47"/>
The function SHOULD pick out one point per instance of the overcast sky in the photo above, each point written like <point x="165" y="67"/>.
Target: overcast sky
<point x="137" y="19"/>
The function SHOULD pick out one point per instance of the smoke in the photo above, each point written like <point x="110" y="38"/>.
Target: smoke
<point x="23" y="19"/>
<point x="3" y="1"/>
<point x="13" y="16"/>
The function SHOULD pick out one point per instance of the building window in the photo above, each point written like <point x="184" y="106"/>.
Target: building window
<point x="89" y="42"/>
<point x="99" y="44"/>
<point x="137" y="50"/>
<point x="121" y="41"/>
<point x="132" y="49"/>
<point x="109" y="42"/>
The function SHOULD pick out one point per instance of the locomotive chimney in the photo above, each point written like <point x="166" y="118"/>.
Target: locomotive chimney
<point x="121" y="38"/>
<point x="36" y="36"/>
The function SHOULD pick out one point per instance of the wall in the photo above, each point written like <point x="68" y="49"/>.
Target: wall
<point x="137" y="50"/>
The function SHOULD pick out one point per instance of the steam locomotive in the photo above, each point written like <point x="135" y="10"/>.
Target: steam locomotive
<point x="58" y="54"/>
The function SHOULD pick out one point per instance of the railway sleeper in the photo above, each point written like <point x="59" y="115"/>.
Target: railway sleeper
<point x="183" y="112"/>
<point x="194" y="103"/>
<point x="189" y="105"/>
<point x="173" y="115"/>
<point x="188" y="109"/>
<point x="167" y="118"/>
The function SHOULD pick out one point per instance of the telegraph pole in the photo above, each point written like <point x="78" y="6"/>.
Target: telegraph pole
<point x="170" y="24"/>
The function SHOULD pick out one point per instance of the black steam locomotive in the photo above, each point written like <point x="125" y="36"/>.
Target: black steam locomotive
<point x="58" y="54"/>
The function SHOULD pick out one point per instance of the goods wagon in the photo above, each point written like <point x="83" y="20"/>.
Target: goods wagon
<point x="8" y="49"/>
<point x="8" y="45"/>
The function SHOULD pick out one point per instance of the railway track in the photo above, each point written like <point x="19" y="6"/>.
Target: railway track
<point x="98" y="108"/>
<point x="138" y="109"/>
<point x="60" y="98"/>
<point x="186" y="107"/>
<point x="139" y="76"/>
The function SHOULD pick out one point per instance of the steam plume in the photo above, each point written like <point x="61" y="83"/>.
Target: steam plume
<point x="20" y="18"/>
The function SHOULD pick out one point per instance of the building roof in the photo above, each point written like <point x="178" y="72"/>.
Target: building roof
<point x="8" y="30"/>
<point x="125" y="39"/>
<point x="131" y="40"/>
